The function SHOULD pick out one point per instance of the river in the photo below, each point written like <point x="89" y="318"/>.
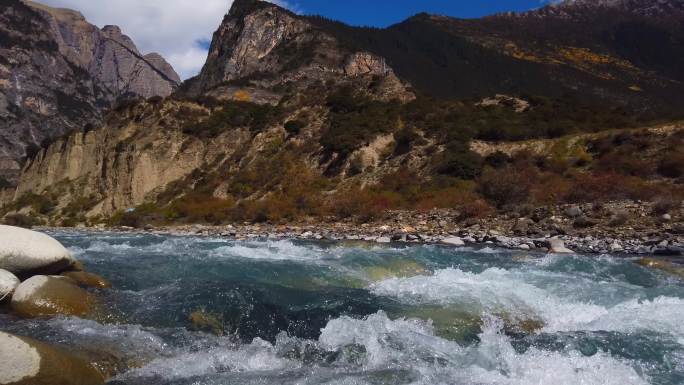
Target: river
<point x="193" y="310"/>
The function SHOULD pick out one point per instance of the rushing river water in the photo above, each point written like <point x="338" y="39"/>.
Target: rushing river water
<point x="290" y="312"/>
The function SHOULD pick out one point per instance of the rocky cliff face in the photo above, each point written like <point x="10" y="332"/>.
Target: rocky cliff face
<point x="58" y="73"/>
<point x="261" y="54"/>
<point x="265" y="46"/>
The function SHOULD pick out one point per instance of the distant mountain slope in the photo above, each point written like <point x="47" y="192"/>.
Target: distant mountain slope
<point x="58" y="73"/>
<point x="628" y="52"/>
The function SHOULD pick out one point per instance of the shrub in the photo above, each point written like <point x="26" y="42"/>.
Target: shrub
<point x="497" y="159"/>
<point x="665" y="204"/>
<point x="41" y="204"/>
<point x="672" y="165"/>
<point x="234" y="114"/>
<point x="508" y="185"/>
<point x="478" y="208"/>
<point x="404" y="140"/>
<point x="4" y="183"/>
<point x="21" y="220"/>
<point x="200" y="207"/>
<point x="294" y="127"/>
<point x="459" y="161"/>
<point x="355" y="120"/>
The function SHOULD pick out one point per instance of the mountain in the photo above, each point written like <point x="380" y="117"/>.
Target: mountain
<point x="264" y="46"/>
<point x="626" y="52"/>
<point x="58" y="73"/>
<point x="297" y="116"/>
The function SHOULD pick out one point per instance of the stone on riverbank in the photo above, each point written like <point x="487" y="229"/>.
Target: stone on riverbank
<point x="51" y="295"/>
<point x="26" y="253"/>
<point x="453" y="241"/>
<point x="557" y="246"/>
<point x="8" y="282"/>
<point x="24" y="361"/>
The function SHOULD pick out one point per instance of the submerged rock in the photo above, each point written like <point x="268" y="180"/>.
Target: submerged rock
<point x="662" y="265"/>
<point x="51" y="295"/>
<point x="8" y="282"/>
<point x="24" y="361"/>
<point x="86" y="279"/>
<point x="26" y="253"/>
<point x="206" y="322"/>
<point x="400" y="268"/>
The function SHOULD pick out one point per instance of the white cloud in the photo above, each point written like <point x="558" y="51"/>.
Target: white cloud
<point x="172" y="28"/>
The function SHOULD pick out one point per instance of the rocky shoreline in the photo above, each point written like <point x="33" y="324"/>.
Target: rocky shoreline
<point x="617" y="228"/>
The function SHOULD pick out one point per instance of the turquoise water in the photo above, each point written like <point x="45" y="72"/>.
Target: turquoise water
<point x="293" y="312"/>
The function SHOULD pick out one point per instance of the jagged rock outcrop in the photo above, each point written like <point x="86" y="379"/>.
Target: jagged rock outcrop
<point x="265" y="45"/>
<point x="58" y="73"/>
<point x="109" y="56"/>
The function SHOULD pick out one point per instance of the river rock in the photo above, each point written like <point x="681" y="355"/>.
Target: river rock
<point x="24" y="361"/>
<point x="8" y="282"/>
<point x="26" y="253"/>
<point x="573" y="212"/>
<point x="51" y="295"/>
<point x="662" y="265"/>
<point x="86" y="279"/>
<point x="557" y="246"/>
<point x="453" y="241"/>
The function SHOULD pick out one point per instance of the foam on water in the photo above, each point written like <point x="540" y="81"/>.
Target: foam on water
<point x="278" y="250"/>
<point x="255" y="357"/>
<point x="500" y="291"/>
<point x="402" y="345"/>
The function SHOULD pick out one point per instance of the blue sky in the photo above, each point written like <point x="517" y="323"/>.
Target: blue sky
<point x="381" y="13"/>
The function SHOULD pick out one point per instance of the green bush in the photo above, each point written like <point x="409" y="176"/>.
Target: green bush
<point x="355" y="120"/>
<point x="294" y="127"/>
<point x="234" y="114"/>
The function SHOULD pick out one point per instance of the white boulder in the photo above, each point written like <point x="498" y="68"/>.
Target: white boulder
<point x="42" y="295"/>
<point x="8" y="282"/>
<point x="25" y="251"/>
<point x="557" y="246"/>
<point x="24" y="361"/>
<point x="453" y="241"/>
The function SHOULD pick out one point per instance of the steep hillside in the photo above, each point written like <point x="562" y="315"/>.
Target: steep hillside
<point x="288" y="119"/>
<point x="625" y="53"/>
<point x="58" y="73"/>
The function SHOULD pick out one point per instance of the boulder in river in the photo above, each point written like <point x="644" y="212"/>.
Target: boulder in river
<point x="557" y="246"/>
<point x="24" y="361"/>
<point x="86" y="279"/>
<point x="26" y="253"/>
<point x="663" y="265"/>
<point x="51" y="295"/>
<point x="8" y="282"/>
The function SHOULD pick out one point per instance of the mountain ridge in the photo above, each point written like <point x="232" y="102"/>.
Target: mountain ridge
<point x="60" y="73"/>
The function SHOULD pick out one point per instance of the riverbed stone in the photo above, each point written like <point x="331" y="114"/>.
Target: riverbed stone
<point x="662" y="265"/>
<point x="453" y="241"/>
<point x="85" y="279"/>
<point x="573" y="212"/>
<point x="25" y="253"/>
<point x="25" y="361"/>
<point x="8" y="282"/>
<point x="557" y="246"/>
<point x="51" y="295"/>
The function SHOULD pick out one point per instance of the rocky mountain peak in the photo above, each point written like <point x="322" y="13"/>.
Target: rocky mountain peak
<point x="262" y="44"/>
<point x="58" y="73"/>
